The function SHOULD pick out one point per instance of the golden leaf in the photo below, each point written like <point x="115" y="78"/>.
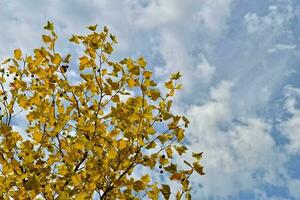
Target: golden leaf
<point x="74" y="39"/>
<point x="169" y="85"/>
<point x="49" y="26"/>
<point x="131" y="82"/>
<point x="76" y="179"/>
<point x="17" y="54"/>
<point x="56" y="59"/>
<point x="180" y="149"/>
<point x="198" y="156"/>
<point x="141" y="61"/>
<point x="46" y="38"/>
<point x="4" y="129"/>
<point x="78" y="145"/>
<point x="166" y="191"/>
<point x="92" y="28"/>
<point x="198" y="168"/>
<point x="139" y="185"/>
<point x="37" y="136"/>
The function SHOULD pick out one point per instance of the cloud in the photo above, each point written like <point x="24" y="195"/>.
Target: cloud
<point x="282" y="47"/>
<point x="291" y="127"/>
<point x="240" y="154"/>
<point x="275" y="19"/>
<point x="204" y="69"/>
<point x="213" y="20"/>
<point x="294" y="186"/>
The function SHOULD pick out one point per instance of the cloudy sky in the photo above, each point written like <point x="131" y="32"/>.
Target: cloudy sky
<point x="240" y="64"/>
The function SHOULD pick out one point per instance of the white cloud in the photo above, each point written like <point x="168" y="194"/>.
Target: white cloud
<point x="204" y="69"/>
<point x="282" y="47"/>
<point x="291" y="127"/>
<point x="213" y="15"/>
<point x="274" y="20"/>
<point x="294" y="186"/>
<point x="159" y="13"/>
<point x="239" y="155"/>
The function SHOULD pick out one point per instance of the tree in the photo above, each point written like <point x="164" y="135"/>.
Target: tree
<point x="86" y="140"/>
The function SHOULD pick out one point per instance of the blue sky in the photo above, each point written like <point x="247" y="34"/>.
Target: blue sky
<point x="240" y="64"/>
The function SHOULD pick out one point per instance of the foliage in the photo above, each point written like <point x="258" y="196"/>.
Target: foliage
<point x="84" y="138"/>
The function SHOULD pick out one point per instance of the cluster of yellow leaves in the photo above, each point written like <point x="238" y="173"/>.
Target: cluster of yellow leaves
<point x="89" y="137"/>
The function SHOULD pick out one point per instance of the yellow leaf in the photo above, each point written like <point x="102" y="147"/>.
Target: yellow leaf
<point x="171" y="168"/>
<point x="92" y="28"/>
<point x="186" y="121"/>
<point x="60" y="109"/>
<point x="181" y="149"/>
<point x="17" y="54"/>
<point x="150" y="130"/>
<point x="80" y="196"/>
<point x="139" y="185"/>
<point x="113" y="38"/>
<point x="107" y="90"/>
<point x="96" y="177"/>
<point x="112" y="153"/>
<point x="169" y="85"/>
<point x="92" y="186"/>
<point x="74" y="39"/>
<point x="56" y="59"/>
<point x="166" y="191"/>
<point x="103" y="72"/>
<point x="198" y="156"/>
<point x="122" y="144"/>
<point x="134" y="117"/>
<point x="46" y="38"/>
<point x="131" y="82"/>
<point x="76" y="179"/>
<point x="63" y="170"/>
<point x="83" y="62"/>
<point x="154" y="94"/>
<point x="180" y="134"/>
<point x="4" y="129"/>
<point x="169" y="152"/>
<point x="146" y="178"/>
<point x="141" y="61"/>
<point x="151" y="145"/>
<point x="49" y="26"/>
<point x="147" y="74"/>
<point x="198" y="168"/>
<point x="87" y="77"/>
<point x="177" y="176"/>
<point x="4" y="62"/>
<point x="78" y="146"/>
<point x="176" y="76"/>
<point x="105" y="29"/>
<point x="41" y="73"/>
<point x="12" y="69"/>
<point x="108" y="48"/>
<point x="37" y="136"/>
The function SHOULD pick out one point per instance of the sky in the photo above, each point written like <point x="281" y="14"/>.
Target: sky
<point x="240" y="64"/>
